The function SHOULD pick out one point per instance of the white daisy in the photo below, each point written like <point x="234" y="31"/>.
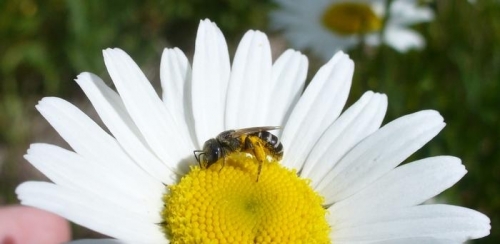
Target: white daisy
<point x="327" y="26"/>
<point x="338" y="181"/>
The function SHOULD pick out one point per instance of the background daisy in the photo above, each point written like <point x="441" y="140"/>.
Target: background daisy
<point x="326" y="26"/>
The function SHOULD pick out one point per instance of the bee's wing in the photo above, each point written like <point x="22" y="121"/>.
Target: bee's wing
<point x="249" y="130"/>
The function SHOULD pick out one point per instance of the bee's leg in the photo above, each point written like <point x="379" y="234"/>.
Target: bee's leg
<point x="197" y="157"/>
<point x="223" y="164"/>
<point x="258" y="171"/>
<point x="256" y="148"/>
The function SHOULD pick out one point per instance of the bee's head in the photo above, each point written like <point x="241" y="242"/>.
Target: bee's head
<point x="211" y="152"/>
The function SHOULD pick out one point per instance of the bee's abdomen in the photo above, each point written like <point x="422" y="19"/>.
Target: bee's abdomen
<point x="272" y="143"/>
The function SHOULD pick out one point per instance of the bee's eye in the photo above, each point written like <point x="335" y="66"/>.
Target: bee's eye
<point x="214" y="153"/>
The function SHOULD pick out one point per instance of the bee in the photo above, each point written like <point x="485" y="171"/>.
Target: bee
<point x="256" y="140"/>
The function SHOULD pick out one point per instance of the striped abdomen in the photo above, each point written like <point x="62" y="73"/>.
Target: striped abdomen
<point x="271" y="143"/>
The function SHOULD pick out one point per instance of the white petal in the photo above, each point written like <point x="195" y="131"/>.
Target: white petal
<point x="408" y="12"/>
<point x="93" y="143"/>
<point x="360" y="120"/>
<point x="175" y="75"/>
<point x="211" y="70"/>
<point x="405" y="186"/>
<point x="72" y="171"/>
<point x="110" y="108"/>
<point x="403" y="39"/>
<point x="373" y="39"/>
<point x="318" y="107"/>
<point x="90" y="211"/>
<point x="170" y="142"/>
<point x="379" y="153"/>
<point x="288" y="77"/>
<point x="249" y="88"/>
<point x="434" y="221"/>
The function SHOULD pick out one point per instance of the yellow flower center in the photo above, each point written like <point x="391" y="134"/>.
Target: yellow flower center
<point x="229" y="205"/>
<point x="351" y="18"/>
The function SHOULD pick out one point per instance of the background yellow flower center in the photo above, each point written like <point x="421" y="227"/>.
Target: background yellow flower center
<point x="351" y="18"/>
<point x="228" y="205"/>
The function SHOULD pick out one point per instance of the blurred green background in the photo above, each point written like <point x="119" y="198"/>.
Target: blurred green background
<point x="45" y="44"/>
